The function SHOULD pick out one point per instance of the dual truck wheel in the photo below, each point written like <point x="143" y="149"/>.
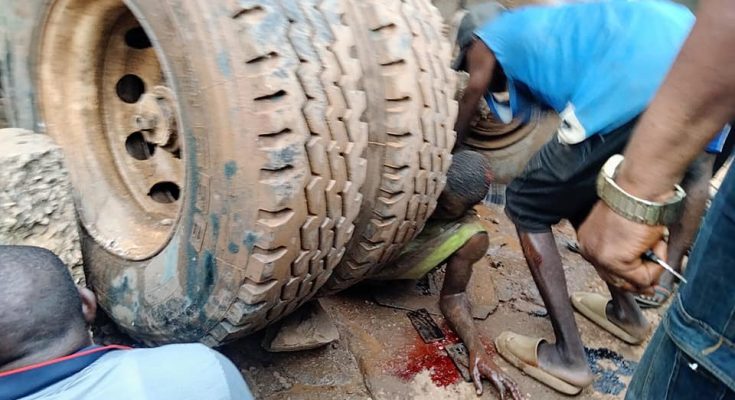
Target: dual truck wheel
<point x="233" y="158"/>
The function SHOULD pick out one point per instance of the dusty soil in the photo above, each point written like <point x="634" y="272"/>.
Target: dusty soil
<point x="381" y="356"/>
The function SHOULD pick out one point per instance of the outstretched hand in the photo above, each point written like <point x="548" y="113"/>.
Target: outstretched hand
<point x="614" y="245"/>
<point x="481" y="366"/>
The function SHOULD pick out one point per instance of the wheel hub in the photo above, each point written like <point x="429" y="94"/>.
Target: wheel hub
<point x="156" y="118"/>
<point x="106" y="100"/>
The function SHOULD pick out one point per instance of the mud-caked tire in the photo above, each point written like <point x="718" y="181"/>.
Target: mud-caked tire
<point x="271" y="141"/>
<point x="411" y="112"/>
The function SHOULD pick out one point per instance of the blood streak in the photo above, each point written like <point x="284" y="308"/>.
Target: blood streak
<point x="432" y="357"/>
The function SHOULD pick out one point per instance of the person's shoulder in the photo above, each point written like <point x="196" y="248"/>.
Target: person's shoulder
<point x="193" y="354"/>
<point x="186" y="368"/>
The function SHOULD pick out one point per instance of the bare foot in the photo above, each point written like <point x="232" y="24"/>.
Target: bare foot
<point x="571" y="369"/>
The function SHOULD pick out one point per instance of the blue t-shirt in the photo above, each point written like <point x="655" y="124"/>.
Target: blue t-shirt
<point x="597" y="64"/>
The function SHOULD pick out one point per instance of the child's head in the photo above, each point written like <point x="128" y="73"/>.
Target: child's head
<point x="468" y="181"/>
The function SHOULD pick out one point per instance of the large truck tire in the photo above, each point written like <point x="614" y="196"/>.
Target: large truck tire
<point x="216" y="149"/>
<point x="411" y="108"/>
<point x="17" y="19"/>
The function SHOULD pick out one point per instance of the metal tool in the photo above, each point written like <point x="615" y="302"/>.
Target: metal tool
<point x="461" y="359"/>
<point x="651" y="256"/>
<point x="425" y="325"/>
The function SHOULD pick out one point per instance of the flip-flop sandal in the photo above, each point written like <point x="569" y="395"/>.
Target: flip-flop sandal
<point x="522" y="352"/>
<point x="593" y="306"/>
<point x="649" y="302"/>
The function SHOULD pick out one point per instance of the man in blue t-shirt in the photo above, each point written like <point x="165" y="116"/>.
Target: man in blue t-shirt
<point x="598" y="65"/>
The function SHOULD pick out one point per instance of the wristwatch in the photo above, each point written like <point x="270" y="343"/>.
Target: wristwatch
<point x="634" y="208"/>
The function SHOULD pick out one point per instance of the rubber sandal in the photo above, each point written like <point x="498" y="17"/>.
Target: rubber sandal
<point x="650" y="302"/>
<point x="522" y="352"/>
<point x="593" y="306"/>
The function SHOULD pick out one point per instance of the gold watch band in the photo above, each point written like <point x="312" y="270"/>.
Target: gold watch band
<point x="634" y="208"/>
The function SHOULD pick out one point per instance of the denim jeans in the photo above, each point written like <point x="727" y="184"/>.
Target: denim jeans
<point x="667" y="373"/>
<point x="692" y="354"/>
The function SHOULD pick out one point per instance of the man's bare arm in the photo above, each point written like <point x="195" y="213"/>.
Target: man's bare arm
<point x="453" y="301"/>
<point x="455" y="306"/>
<point x="696" y="100"/>
<point x="481" y="63"/>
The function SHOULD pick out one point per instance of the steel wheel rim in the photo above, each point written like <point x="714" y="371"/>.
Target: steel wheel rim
<point x="104" y="97"/>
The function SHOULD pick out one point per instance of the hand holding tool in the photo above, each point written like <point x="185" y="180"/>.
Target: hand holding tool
<point x="651" y="256"/>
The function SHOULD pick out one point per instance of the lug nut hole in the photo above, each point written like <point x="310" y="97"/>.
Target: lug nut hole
<point x="129" y="88"/>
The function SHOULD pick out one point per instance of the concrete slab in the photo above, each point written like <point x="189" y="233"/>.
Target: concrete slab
<point x="36" y="206"/>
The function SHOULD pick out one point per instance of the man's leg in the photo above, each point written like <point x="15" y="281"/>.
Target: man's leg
<point x="565" y="358"/>
<point x="624" y="312"/>
<point x="559" y="183"/>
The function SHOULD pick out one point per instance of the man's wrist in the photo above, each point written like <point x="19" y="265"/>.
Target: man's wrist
<point x="633" y="206"/>
<point x="636" y="181"/>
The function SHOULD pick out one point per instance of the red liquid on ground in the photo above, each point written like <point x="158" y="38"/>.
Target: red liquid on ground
<point x="432" y="357"/>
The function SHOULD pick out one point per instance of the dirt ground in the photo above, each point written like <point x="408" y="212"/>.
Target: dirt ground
<point x="381" y="356"/>
<point x="3" y="119"/>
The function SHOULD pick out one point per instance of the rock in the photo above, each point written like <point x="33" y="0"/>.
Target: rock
<point x="36" y="206"/>
<point x="307" y="328"/>
<point x="531" y="294"/>
<point x="504" y="289"/>
<point x="529" y="308"/>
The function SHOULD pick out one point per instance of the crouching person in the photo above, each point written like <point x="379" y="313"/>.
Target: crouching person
<point x="454" y="236"/>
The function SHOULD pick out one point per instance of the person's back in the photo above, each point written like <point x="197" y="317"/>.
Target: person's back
<point x="597" y="63"/>
<point x="178" y="371"/>
<point x="46" y="350"/>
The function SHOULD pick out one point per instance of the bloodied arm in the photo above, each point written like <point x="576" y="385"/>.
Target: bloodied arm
<point x="455" y="306"/>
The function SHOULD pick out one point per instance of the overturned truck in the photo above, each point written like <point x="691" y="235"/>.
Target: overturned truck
<point x="233" y="159"/>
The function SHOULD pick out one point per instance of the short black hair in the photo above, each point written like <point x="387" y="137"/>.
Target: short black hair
<point x="469" y="177"/>
<point x="39" y="301"/>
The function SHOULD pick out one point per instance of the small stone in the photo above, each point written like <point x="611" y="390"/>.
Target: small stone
<point x="529" y="308"/>
<point x="309" y="327"/>
<point x="504" y="289"/>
